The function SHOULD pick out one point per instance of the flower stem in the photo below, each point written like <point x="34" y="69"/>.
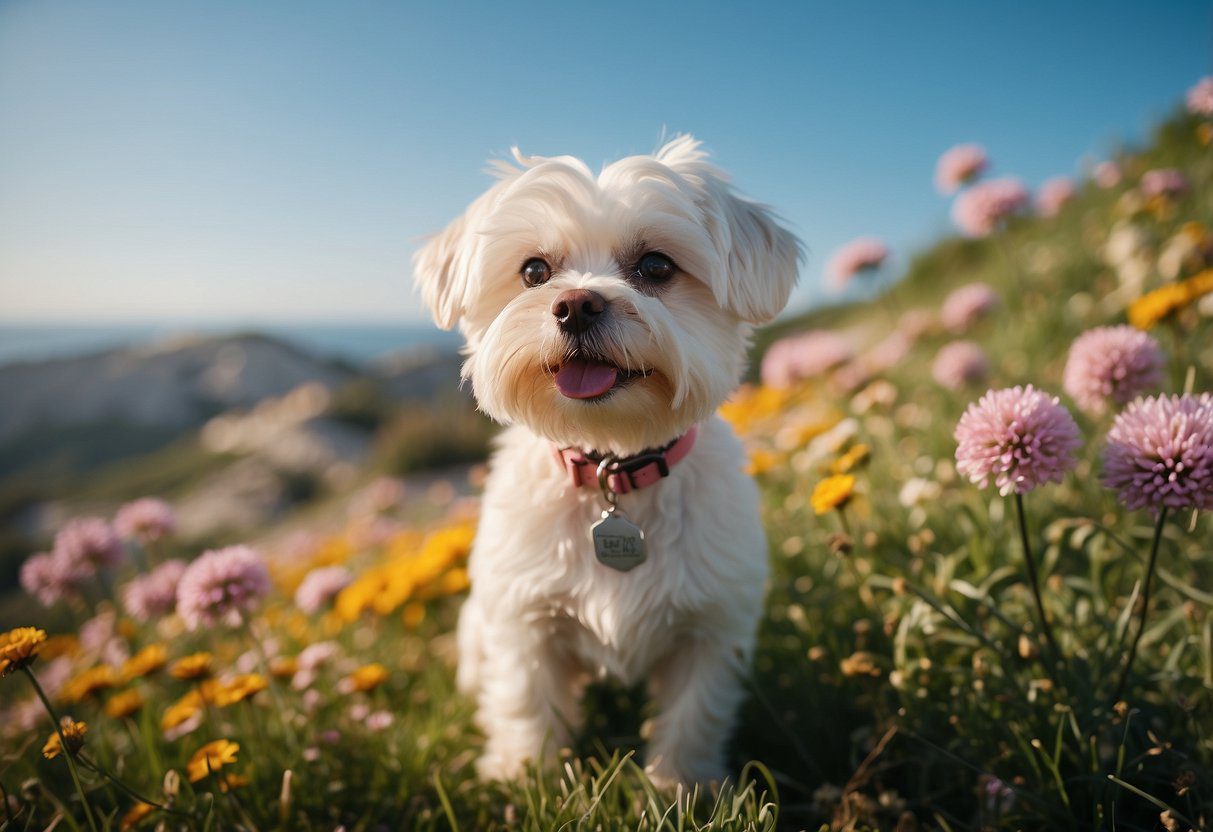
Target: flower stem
<point x="130" y="792"/>
<point x="1145" y="605"/>
<point x="1033" y="579"/>
<point x="66" y="749"/>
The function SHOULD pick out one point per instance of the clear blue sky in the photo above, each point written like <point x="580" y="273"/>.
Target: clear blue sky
<point x="276" y="161"/>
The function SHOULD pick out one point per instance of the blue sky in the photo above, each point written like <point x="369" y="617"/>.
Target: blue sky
<point x="278" y="161"/>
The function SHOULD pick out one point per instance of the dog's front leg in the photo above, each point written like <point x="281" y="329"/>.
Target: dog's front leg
<point x="527" y="700"/>
<point x="697" y="690"/>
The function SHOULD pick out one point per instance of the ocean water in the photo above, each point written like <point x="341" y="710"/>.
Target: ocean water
<point x="355" y="343"/>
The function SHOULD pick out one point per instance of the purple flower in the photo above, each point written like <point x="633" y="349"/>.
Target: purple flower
<point x="1200" y="97"/>
<point x="1112" y="362"/>
<point x="320" y="586"/>
<point x="1019" y="437"/>
<point x="1053" y="194"/>
<point x="1160" y="453"/>
<point x="379" y="720"/>
<point x="1164" y="182"/>
<point x="804" y="356"/>
<point x="86" y="545"/>
<point x="222" y="585"/>
<point x="980" y="209"/>
<point x="48" y="578"/>
<point x="959" y="364"/>
<point x="146" y="520"/>
<point x="959" y="166"/>
<point x="154" y="595"/>
<point x="861" y="255"/>
<point x="964" y="307"/>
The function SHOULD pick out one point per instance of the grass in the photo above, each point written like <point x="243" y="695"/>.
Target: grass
<point x="901" y="681"/>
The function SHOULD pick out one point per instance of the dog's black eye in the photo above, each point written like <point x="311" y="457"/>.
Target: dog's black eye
<point x="536" y="271"/>
<point x="656" y="268"/>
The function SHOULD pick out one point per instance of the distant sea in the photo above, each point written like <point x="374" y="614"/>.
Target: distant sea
<point x="355" y="343"/>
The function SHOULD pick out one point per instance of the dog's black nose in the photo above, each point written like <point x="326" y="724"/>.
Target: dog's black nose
<point x="576" y="310"/>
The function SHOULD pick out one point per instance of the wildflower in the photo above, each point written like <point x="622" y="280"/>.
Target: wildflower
<point x="1116" y="363"/>
<point x="19" y="648"/>
<point x="864" y="254"/>
<point x="366" y="678"/>
<point x="1160" y="453"/>
<point x="979" y="210"/>
<point x="154" y="595"/>
<point x="1150" y="309"/>
<point x="73" y="734"/>
<point x="1019" y="437"/>
<point x="193" y="666"/>
<point x="958" y="166"/>
<point x="284" y="667"/>
<point x="1107" y="174"/>
<point x="859" y="664"/>
<point x="1166" y="183"/>
<point x="238" y="689"/>
<point x="210" y="758"/>
<point x="86" y="545"/>
<point x="88" y="682"/>
<point x="320" y="587"/>
<point x="146" y="520"/>
<point x="222" y="585"/>
<point x="135" y="815"/>
<point x="47" y="578"/>
<point x="960" y="364"/>
<point x="148" y="660"/>
<point x="123" y="704"/>
<point x="832" y="492"/>
<point x="856" y="455"/>
<point x="963" y="308"/>
<point x="379" y="720"/>
<point x="1053" y="194"/>
<point x="799" y="357"/>
<point x="1200" y="97"/>
<point x="317" y="654"/>
<point x="188" y="709"/>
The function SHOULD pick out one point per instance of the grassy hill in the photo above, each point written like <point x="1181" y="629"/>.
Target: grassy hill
<point x="903" y="680"/>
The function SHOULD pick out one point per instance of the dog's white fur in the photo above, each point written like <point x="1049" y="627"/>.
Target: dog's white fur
<point x="544" y="616"/>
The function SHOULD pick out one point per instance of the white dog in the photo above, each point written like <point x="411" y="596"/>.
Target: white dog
<point x="606" y="319"/>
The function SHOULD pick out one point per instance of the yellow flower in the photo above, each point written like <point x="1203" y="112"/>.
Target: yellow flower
<point x="859" y="664"/>
<point x="237" y="690"/>
<point x="86" y="683"/>
<point x="123" y="704"/>
<point x="367" y="677"/>
<point x="210" y="758"/>
<point x="73" y="733"/>
<point x="61" y="645"/>
<point x="852" y="458"/>
<point x="832" y="492"/>
<point x="181" y="711"/>
<point x="761" y="461"/>
<point x="148" y="660"/>
<point x="193" y="666"/>
<point x="284" y="667"/>
<point x="137" y="813"/>
<point x="1153" y="307"/>
<point x="19" y="648"/>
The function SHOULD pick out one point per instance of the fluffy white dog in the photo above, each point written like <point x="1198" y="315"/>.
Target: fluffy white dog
<point x="607" y="317"/>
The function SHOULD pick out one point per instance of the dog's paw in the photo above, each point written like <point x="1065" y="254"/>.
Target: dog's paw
<point x="668" y="774"/>
<point x="498" y="766"/>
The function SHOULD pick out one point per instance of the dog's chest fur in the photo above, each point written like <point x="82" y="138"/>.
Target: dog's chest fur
<point x="534" y="560"/>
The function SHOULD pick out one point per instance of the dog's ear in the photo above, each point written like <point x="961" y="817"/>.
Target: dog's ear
<point x="443" y="267"/>
<point x="760" y="257"/>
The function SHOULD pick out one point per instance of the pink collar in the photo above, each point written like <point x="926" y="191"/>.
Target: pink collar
<point x="627" y="473"/>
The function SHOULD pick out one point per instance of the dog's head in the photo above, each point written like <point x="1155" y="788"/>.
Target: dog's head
<point x="611" y="311"/>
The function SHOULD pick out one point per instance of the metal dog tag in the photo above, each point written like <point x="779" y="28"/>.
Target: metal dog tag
<point x="618" y="542"/>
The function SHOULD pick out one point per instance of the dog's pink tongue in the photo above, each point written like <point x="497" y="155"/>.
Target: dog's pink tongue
<point x="580" y="379"/>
